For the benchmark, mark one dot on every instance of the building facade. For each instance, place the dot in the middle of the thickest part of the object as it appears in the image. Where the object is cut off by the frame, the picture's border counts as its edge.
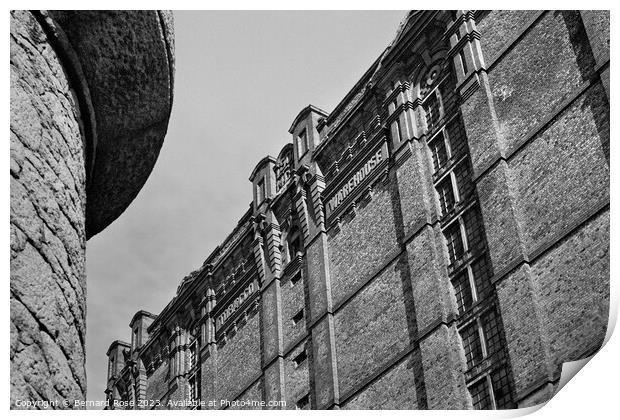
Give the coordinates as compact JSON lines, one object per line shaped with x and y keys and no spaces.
{"x":439,"y":240}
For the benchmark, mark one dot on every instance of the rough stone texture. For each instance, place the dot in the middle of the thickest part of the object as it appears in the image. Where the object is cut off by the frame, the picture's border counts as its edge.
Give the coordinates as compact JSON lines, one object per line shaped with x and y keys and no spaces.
{"x":48,"y":240}
{"x":596,"y":23}
{"x":127,"y":61}
{"x":72,"y":72}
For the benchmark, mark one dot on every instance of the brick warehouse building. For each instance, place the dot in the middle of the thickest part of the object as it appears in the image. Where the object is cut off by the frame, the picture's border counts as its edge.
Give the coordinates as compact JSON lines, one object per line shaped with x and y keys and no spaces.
{"x":439,"y":240}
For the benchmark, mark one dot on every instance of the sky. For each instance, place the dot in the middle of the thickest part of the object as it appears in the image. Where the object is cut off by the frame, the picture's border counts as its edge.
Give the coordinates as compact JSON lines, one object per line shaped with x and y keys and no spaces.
{"x":241,"y":78}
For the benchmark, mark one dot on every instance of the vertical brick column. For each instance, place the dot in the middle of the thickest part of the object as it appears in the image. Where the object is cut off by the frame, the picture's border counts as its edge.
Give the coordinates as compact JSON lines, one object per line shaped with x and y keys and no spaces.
{"x":208,"y":350}
{"x":326,"y":393}
{"x":516,"y":292}
{"x":271,"y":307}
{"x":140,"y":381}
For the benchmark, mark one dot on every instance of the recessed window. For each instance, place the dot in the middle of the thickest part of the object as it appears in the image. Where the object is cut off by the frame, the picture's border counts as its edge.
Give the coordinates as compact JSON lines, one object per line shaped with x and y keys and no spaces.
{"x":472,"y":344}
{"x":111,"y":367}
{"x":433,"y":110}
{"x":480,"y":395}
{"x":260,"y":191}
{"x":454,"y":241}
{"x":300,"y":358}
{"x":463,"y":61}
{"x":135,"y":338}
{"x":294,"y":242}
{"x":446,"y":195}
{"x":303,"y":403}
{"x":462,"y":291}
{"x":302,"y":142}
{"x":296,"y":279}
{"x":438,"y":151}
{"x":298,"y":317}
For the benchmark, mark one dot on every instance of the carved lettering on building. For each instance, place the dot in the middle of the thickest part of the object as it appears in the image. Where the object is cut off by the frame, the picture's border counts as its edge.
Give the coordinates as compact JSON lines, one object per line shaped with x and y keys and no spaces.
{"x":356,"y":179}
{"x":236,"y":304}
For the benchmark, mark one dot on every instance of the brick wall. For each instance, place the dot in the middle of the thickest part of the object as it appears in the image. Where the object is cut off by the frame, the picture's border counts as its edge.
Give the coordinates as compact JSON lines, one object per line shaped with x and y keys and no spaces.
{"x":383,"y":325}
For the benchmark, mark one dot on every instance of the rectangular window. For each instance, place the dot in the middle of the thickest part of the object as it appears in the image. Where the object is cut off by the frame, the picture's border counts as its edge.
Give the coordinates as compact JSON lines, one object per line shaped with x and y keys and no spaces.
{"x":298,"y":317}
{"x":462,"y":291}
{"x":446,"y":195}
{"x":472,"y":344}
{"x":296,"y":279}
{"x":480,"y":395}
{"x":454,"y":242}
{"x":501,"y":389}
{"x":260,"y":191}
{"x":300,"y":358}
{"x":438,"y":151}
{"x":456,"y":138}
{"x":302,"y":143}
{"x":303,"y":403}
{"x":432,"y":107}
{"x":463,"y":61}
{"x":481,"y":273}
{"x":135,"y":338}
{"x":491,"y":328}
{"x":473,"y":229}
{"x":462,"y":174}
{"x":111,"y":367}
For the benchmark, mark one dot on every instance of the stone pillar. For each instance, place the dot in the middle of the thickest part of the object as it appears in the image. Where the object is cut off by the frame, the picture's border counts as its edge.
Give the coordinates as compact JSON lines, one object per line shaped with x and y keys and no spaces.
{"x":208,"y":350}
{"x":48,"y":238}
{"x":271,"y":308}
{"x":321,"y":320}
{"x":80,"y":145}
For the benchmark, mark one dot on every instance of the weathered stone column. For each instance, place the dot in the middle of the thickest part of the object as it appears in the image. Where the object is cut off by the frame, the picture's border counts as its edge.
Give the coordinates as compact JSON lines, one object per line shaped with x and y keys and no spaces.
{"x":89,"y":112}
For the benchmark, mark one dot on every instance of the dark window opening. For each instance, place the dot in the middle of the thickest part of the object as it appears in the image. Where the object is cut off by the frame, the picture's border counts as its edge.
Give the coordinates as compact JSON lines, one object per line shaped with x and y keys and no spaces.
{"x":300,"y":358}
{"x":260,"y":191}
{"x":298,"y":317}
{"x":454,"y":242}
{"x":303,"y":403}
{"x":438,"y":152}
{"x":480,"y":395}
